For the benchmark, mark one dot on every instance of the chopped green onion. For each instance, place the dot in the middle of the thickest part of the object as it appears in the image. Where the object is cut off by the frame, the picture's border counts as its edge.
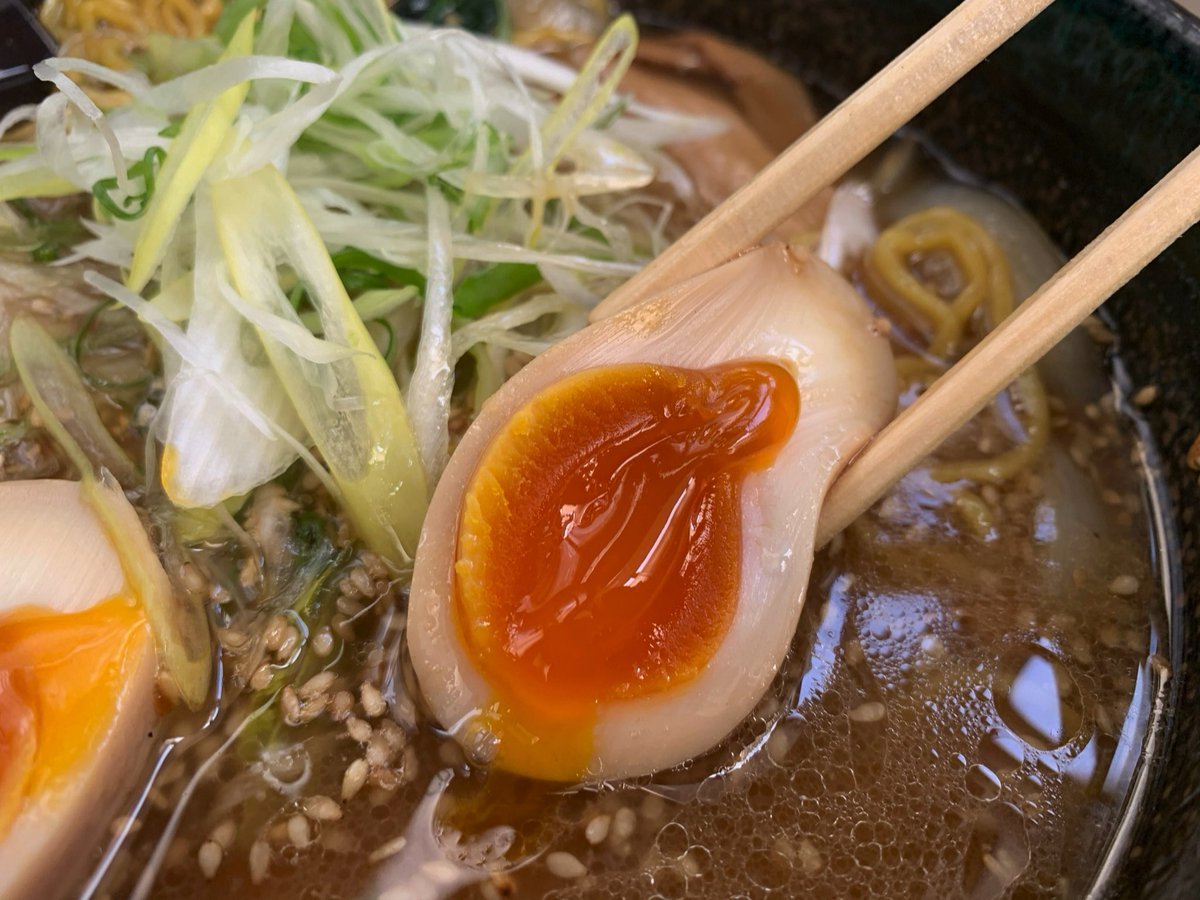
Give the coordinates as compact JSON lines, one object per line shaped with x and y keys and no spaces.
{"x":478,"y":293}
{"x":134,"y":205}
{"x":361,"y":271}
{"x":46,"y":252}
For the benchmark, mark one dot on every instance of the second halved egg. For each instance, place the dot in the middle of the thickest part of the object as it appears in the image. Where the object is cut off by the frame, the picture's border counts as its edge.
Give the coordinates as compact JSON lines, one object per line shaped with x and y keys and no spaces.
{"x":615,"y":560}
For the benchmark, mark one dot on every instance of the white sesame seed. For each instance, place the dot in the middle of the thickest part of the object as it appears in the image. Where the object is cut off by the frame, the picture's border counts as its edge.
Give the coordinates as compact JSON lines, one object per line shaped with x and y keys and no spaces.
{"x":322,"y":642}
{"x":341,"y":705}
{"x":298,"y":831}
{"x":410,"y":765}
{"x":290,"y":704}
{"x":260,"y":861}
{"x":355,"y":778}
{"x":224,"y":834}
{"x":378,"y":752}
{"x":372,"y":700}
{"x":318,"y":684}
{"x":320,"y":808}
{"x":1146,"y":395}
{"x":274,"y":633}
{"x":391,"y":848}
{"x":360,"y":729}
{"x":374,"y":564}
{"x":210,"y":857}
{"x":1123,"y":586}
{"x":248,"y":572}
{"x":872,"y":711}
{"x":623,"y":824}
{"x":261,"y":677}
{"x":387,"y":780}
{"x":565,"y":865}
{"x":291,"y":640}
{"x":393,"y":734}
{"x":231,"y":638}
{"x":360,"y":580}
{"x":596,"y":829}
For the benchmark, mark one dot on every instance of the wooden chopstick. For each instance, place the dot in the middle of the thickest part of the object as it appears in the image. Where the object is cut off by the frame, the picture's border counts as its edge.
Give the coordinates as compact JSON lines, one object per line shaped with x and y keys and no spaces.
{"x":834,"y":145}
{"x":1076,"y":290}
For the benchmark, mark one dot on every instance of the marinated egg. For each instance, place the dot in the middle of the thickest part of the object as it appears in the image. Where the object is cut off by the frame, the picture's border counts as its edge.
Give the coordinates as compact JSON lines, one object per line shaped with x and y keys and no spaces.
{"x":615,"y":560}
{"x":77,"y":674}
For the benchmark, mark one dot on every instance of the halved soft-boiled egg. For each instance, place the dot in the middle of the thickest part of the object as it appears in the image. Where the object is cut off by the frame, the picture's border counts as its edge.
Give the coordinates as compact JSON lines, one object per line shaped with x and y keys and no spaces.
{"x":615,"y":560}
{"x":77,"y":685}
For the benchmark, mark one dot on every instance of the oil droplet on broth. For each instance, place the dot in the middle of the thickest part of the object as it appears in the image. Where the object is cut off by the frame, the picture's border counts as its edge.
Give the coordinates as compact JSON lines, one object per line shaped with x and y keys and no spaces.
{"x":1037,"y":698}
{"x":982,"y":783}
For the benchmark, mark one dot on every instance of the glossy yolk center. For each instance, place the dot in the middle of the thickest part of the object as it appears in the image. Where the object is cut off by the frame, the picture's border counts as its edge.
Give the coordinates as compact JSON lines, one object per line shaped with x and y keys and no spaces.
{"x":599,"y":551}
{"x":60,"y":678}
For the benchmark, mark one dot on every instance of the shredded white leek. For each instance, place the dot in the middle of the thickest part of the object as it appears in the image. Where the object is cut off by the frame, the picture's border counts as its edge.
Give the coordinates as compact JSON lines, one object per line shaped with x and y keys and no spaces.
{"x":203,"y":131}
{"x":351,"y":407}
{"x":412,"y":164}
{"x":433,"y":374}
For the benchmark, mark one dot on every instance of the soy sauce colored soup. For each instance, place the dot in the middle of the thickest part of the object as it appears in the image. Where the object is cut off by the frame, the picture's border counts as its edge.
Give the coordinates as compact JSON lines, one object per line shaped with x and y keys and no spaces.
{"x":276,"y":358}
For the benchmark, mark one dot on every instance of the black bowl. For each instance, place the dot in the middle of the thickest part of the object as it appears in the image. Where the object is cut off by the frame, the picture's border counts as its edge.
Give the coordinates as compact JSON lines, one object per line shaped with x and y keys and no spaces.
{"x":1076,"y":117}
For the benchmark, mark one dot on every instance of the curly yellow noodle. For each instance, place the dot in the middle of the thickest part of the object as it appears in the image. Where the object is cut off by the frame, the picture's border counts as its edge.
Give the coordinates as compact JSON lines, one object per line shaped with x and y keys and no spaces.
{"x":107,"y":31}
{"x":975,"y":511}
{"x":986,"y":287}
{"x":911,"y":367}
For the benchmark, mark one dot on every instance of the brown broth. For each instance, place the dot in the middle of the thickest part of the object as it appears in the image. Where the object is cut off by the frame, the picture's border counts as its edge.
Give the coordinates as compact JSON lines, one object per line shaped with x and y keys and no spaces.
{"x":960,"y":717}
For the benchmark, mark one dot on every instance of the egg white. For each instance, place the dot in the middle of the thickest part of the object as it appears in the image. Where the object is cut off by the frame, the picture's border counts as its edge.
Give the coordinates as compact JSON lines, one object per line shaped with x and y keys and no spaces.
{"x":55,"y":554}
{"x":777,"y":304}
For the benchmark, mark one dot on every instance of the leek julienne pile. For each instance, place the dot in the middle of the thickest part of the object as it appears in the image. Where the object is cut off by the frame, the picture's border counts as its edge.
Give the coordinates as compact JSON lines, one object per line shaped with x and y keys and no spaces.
{"x":323,"y":221}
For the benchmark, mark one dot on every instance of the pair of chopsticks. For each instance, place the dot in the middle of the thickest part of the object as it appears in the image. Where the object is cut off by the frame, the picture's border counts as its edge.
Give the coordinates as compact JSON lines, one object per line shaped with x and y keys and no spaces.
{"x":842,"y":139}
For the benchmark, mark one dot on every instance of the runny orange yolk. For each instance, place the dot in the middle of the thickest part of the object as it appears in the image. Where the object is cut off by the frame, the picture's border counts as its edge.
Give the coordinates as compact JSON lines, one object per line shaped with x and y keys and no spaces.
{"x":61,"y":675}
{"x":599,"y":547}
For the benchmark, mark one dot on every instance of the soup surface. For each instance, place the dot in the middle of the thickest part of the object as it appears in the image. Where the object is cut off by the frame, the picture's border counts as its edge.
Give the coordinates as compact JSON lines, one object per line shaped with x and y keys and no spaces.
{"x":961,"y":715}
